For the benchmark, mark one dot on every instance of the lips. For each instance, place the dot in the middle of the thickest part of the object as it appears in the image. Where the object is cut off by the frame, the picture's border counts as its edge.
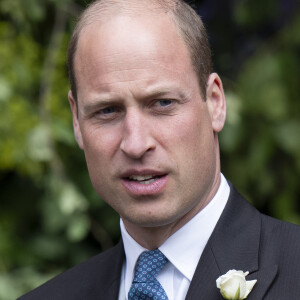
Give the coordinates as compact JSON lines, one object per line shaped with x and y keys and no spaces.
{"x":144,"y":183}
{"x":144,"y":179}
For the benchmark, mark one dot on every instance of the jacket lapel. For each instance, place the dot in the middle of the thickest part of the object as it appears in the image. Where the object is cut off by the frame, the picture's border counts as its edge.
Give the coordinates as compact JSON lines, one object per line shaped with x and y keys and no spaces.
{"x":234,"y":244}
{"x":109,"y":289}
{"x":203,"y":285}
{"x":265,"y":276}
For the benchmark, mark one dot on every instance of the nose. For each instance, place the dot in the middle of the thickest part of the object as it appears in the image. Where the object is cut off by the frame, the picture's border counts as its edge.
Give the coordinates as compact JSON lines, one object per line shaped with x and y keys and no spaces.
{"x":137,"y":139}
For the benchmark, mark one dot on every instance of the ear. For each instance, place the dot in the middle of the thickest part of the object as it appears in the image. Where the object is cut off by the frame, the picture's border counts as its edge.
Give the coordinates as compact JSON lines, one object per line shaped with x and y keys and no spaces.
{"x":76,"y":127}
{"x":216,"y":102}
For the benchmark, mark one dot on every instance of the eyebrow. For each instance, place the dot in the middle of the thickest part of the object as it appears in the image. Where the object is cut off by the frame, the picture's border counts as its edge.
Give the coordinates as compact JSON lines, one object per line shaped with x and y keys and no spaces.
{"x":170,"y":93}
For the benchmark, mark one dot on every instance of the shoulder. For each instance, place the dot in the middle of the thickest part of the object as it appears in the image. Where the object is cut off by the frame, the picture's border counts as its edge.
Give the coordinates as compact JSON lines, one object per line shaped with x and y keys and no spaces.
{"x":278,"y":240}
{"x":280,"y":247}
{"x":282,"y":238}
{"x":85,"y":280}
{"x":277,"y":244}
{"x":272,"y":230}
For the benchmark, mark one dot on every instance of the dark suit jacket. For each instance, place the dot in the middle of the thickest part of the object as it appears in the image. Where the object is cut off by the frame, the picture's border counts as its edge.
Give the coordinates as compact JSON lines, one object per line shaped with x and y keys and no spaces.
{"x":243,"y":239}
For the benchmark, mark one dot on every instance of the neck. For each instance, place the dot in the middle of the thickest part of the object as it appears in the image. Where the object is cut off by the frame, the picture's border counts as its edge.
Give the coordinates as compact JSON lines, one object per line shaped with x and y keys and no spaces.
{"x":150,"y":237}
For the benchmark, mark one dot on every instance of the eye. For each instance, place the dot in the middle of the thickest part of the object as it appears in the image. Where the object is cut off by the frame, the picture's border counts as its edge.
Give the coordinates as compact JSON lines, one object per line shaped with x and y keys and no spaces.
{"x":108,"y":113}
{"x":164,"y":106}
{"x":108,"y":110}
{"x":165,"y":102}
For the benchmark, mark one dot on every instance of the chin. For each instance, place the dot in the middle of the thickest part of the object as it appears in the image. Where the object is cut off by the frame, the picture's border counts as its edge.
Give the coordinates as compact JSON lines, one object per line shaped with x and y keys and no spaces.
{"x":151,"y":220}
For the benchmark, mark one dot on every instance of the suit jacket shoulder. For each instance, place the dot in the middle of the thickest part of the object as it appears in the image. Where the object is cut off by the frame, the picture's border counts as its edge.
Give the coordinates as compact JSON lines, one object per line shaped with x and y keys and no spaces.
{"x":244,"y":239}
{"x":97,"y":278}
{"x":280,"y":246}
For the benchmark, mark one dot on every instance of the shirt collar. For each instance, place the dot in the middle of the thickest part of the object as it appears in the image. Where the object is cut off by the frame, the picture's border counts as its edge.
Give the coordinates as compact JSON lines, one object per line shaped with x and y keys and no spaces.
{"x":132,"y":251}
{"x":184,"y":248}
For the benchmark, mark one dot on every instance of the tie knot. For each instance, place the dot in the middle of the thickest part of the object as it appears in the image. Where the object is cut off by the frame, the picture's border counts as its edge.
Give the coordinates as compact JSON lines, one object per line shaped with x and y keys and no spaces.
{"x":149,"y":264}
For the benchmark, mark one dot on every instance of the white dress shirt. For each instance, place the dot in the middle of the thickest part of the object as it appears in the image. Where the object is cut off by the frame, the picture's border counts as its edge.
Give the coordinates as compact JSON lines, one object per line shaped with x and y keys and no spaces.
{"x":183,"y":249}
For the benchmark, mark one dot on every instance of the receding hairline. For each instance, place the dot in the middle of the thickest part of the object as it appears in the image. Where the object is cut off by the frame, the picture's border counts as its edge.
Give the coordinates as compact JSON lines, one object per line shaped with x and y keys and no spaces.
{"x":93,"y":15}
{"x":102,"y":11}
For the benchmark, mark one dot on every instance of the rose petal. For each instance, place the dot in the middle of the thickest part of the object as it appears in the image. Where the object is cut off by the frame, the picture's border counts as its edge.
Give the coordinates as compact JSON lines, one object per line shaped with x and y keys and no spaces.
{"x":249,"y":286}
{"x":230,"y":287}
{"x":233,"y":285}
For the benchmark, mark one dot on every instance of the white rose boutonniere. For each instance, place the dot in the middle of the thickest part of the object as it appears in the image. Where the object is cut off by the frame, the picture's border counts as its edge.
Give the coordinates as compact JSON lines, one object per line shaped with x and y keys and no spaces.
{"x":233,"y":285}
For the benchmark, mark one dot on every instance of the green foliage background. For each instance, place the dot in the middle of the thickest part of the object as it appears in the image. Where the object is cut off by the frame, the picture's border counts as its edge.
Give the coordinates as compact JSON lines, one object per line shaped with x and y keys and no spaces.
{"x":50,"y":217}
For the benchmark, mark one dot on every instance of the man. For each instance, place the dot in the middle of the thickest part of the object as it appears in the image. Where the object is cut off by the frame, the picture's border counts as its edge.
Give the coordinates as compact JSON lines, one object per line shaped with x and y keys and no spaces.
{"x":147,"y":112}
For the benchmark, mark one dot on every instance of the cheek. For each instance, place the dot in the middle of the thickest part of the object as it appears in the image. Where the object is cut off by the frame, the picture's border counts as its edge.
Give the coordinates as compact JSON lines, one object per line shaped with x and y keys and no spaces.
{"x":194,"y":149}
{"x":100,"y":144}
{"x":99,"y":150}
{"x":193,"y":134}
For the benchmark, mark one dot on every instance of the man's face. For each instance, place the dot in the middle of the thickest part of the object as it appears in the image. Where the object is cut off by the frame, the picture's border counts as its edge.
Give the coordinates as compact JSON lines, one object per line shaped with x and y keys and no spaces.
{"x":147,"y":134}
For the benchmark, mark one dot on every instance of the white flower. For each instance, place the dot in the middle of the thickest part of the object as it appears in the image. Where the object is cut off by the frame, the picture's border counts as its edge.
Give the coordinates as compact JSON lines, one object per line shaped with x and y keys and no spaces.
{"x":233,"y":285}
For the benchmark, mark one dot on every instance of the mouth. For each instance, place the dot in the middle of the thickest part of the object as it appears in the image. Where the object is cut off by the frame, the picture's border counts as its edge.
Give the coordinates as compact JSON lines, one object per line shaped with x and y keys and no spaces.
{"x":150,"y":183}
{"x":144,"y":179}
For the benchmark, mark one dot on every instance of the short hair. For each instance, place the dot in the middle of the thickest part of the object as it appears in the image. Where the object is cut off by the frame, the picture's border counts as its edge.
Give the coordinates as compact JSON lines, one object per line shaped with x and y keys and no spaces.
{"x":187,"y":21}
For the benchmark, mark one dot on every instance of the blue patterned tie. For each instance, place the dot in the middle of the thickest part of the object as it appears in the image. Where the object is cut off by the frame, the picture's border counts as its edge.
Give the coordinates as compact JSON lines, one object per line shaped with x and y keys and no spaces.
{"x":144,"y":285}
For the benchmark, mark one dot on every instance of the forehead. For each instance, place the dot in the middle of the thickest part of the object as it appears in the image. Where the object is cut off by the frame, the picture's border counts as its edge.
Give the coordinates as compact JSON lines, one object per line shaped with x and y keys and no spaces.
{"x":144,"y":48}
{"x":131,"y":36}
